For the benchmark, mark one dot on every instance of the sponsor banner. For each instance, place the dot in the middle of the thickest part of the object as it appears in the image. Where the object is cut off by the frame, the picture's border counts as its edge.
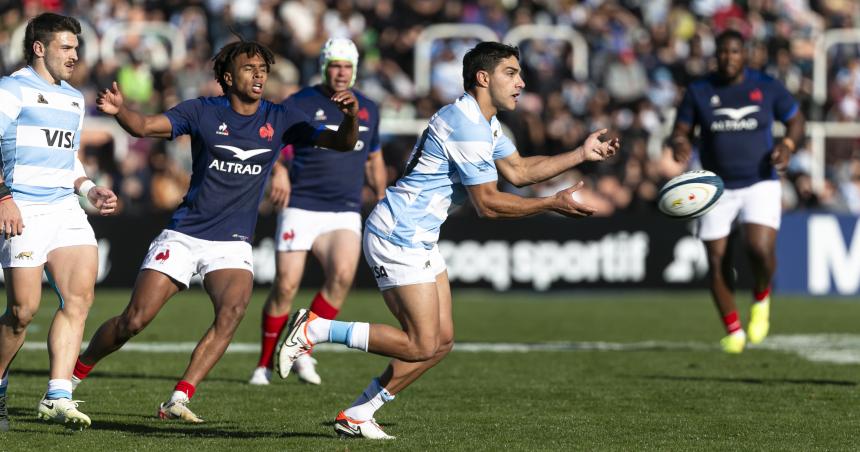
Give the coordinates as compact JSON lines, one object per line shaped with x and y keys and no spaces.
{"x":539,"y":253}
{"x":818,"y":254}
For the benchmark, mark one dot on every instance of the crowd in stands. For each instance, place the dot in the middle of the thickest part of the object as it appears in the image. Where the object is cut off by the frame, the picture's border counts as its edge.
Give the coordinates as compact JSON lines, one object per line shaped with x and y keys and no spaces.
{"x":641,"y":53}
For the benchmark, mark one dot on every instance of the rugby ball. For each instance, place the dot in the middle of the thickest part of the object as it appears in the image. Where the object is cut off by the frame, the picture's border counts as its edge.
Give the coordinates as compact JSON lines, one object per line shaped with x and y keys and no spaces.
{"x":690,"y":195}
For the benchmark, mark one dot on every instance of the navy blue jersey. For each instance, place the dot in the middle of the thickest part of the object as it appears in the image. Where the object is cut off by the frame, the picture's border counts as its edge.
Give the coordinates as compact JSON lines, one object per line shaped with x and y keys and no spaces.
{"x":735,"y":123}
{"x":232,"y":156}
{"x":324,"y":180}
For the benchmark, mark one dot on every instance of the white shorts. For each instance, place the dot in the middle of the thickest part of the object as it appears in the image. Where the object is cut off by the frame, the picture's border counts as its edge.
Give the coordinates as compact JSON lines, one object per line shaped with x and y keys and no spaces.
{"x":760,"y":203}
{"x":394,"y":265}
{"x":299,"y":228}
{"x":46,"y":228}
{"x":181,"y":256}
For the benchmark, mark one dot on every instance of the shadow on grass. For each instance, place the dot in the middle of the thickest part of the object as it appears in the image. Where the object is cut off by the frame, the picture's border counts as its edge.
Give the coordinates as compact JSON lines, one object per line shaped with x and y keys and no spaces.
{"x":160,"y":430}
{"x":124,"y":375}
{"x":755,"y":381}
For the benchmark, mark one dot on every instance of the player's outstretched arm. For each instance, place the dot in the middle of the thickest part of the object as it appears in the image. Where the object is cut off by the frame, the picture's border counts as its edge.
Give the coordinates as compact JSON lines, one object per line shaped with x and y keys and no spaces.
{"x":347,"y":132}
{"x":492,"y":203}
{"x":110,"y":102}
{"x":522,"y":171}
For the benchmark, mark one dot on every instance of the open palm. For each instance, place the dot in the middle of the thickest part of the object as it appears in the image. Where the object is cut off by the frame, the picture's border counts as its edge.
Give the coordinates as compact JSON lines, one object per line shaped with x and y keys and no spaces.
{"x":109,"y":101}
{"x":596,"y":150}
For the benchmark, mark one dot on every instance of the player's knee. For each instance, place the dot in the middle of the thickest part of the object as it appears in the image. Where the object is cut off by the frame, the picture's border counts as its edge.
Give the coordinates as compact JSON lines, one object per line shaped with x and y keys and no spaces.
{"x":228,"y":317}
{"x":131,"y":325}
{"x":21,"y":317}
{"x":423,"y":350}
{"x":285,"y":289}
{"x":760,"y":251}
{"x":340,"y":279}
{"x":445,"y":347}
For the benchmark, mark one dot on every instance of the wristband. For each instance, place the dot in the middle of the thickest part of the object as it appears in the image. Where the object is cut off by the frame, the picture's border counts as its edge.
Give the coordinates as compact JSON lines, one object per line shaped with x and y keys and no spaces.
{"x":85,"y":187}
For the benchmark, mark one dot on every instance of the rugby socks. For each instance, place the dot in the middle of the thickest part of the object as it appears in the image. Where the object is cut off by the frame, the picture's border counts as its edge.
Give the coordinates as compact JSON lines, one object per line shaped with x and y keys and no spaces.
{"x":762,"y":296}
{"x":272,"y":327}
{"x":368,"y":402}
{"x":4,"y":382}
{"x":732,"y":322}
{"x":352,"y":334}
{"x":81,"y":370}
{"x":321,"y":307}
{"x":182,"y":391}
{"x":59,"y":389}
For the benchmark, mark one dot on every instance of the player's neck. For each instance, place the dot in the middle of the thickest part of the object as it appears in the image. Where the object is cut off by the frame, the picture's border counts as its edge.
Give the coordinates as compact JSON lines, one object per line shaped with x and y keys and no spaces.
{"x":485,"y":103}
{"x":736,"y":80}
{"x":40,"y":69}
{"x":244,"y":107}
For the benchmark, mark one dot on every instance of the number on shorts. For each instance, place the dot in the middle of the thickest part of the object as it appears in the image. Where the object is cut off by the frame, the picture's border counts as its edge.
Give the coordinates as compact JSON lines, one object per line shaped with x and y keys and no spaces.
{"x":379,"y":272}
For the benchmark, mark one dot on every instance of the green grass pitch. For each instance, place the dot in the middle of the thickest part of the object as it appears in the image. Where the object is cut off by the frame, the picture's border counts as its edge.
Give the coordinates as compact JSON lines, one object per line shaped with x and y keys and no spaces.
{"x":630,"y":371}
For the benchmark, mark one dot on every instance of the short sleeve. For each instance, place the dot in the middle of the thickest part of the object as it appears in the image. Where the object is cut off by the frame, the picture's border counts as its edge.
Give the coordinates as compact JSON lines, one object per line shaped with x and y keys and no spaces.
{"x":504,"y":147}
{"x":10,"y":103}
{"x":473,"y":159}
{"x":185,"y":117}
{"x":784,"y":104}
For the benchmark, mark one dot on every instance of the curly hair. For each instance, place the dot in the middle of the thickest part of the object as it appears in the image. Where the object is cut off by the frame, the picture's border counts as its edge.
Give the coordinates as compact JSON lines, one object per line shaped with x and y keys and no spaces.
{"x":485,"y":57}
{"x":224,"y":59}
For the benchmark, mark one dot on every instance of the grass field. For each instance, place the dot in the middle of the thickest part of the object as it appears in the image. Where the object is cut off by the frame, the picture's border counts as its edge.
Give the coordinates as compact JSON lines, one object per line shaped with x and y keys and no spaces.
{"x":625,"y":371}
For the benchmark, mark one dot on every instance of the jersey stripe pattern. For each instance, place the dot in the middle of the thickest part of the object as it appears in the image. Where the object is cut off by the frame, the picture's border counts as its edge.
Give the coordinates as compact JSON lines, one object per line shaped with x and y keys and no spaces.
{"x":40,"y":131}
{"x":457,"y":149}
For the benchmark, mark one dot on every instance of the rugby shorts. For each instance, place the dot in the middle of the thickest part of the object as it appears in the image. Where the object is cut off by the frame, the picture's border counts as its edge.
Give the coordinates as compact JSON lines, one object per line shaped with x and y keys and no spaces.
{"x":181,"y":256}
{"x":760,"y":203}
{"x":393,"y":265}
{"x":46,"y":228}
{"x":299,"y":228}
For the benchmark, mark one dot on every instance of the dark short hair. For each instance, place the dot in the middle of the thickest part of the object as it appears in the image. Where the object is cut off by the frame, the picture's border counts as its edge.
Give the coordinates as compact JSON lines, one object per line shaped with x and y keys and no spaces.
{"x":729,"y":35}
{"x":485,"y":57}
{"x":41,"y":28}
{"x":223,"y":60}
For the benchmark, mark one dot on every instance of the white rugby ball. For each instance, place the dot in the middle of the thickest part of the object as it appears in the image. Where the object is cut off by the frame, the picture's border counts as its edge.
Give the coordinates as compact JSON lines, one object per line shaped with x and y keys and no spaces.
{"x":690,"y":195}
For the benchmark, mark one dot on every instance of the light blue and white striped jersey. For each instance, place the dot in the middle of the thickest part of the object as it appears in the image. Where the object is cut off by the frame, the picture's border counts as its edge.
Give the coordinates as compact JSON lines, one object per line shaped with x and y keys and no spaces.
{"x":40,"y":132}
{"x":458,"y":148}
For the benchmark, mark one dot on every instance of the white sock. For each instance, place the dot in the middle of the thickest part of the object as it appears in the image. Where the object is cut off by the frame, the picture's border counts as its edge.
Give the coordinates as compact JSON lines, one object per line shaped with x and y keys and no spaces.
{"x":59,"y":388}
{"x":359,"y":336}
{"x":177,"y":396}
{"x":369,"y":401}
{"x":318,"y":330}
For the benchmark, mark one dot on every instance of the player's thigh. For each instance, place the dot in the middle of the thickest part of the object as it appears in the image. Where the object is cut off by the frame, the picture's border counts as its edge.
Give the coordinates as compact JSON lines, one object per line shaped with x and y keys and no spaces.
{"x":416,"y":307}
{"x":151,"y":291}
{"x":446,"y":317}
{"x":762,"y":204}
{"x":23,"y":290}
{"x":72,"y":270}
{"x":290,"y":266}
{"x":230,"y":290}
{"x":338,"y":252}
{"x":717,"y":223}
{"x":760,"y":239}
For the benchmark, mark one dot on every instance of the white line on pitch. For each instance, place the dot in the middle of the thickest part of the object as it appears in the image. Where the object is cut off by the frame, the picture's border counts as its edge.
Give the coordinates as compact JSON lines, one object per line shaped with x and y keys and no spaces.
{"x":832,"y":348}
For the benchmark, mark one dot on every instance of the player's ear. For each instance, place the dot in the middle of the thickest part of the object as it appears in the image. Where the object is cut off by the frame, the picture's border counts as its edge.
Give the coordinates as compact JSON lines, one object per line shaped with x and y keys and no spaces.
{"x":483,"y":78}
{"x":228,"y":78}
{"x":38,"y":48}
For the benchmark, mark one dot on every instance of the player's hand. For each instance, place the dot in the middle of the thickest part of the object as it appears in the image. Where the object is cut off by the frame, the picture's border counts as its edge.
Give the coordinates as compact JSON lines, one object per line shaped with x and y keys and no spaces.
{"x":569,"y":207}
{"x":594,"y":150}
{"x":681,"y":148}
{"x":280,"y":192}
{"x":11,"y":223}
{"x":109,"y":101}
{"x":346,"y":102}
{"x":103,"y":199}
{"x":780,"y":156}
